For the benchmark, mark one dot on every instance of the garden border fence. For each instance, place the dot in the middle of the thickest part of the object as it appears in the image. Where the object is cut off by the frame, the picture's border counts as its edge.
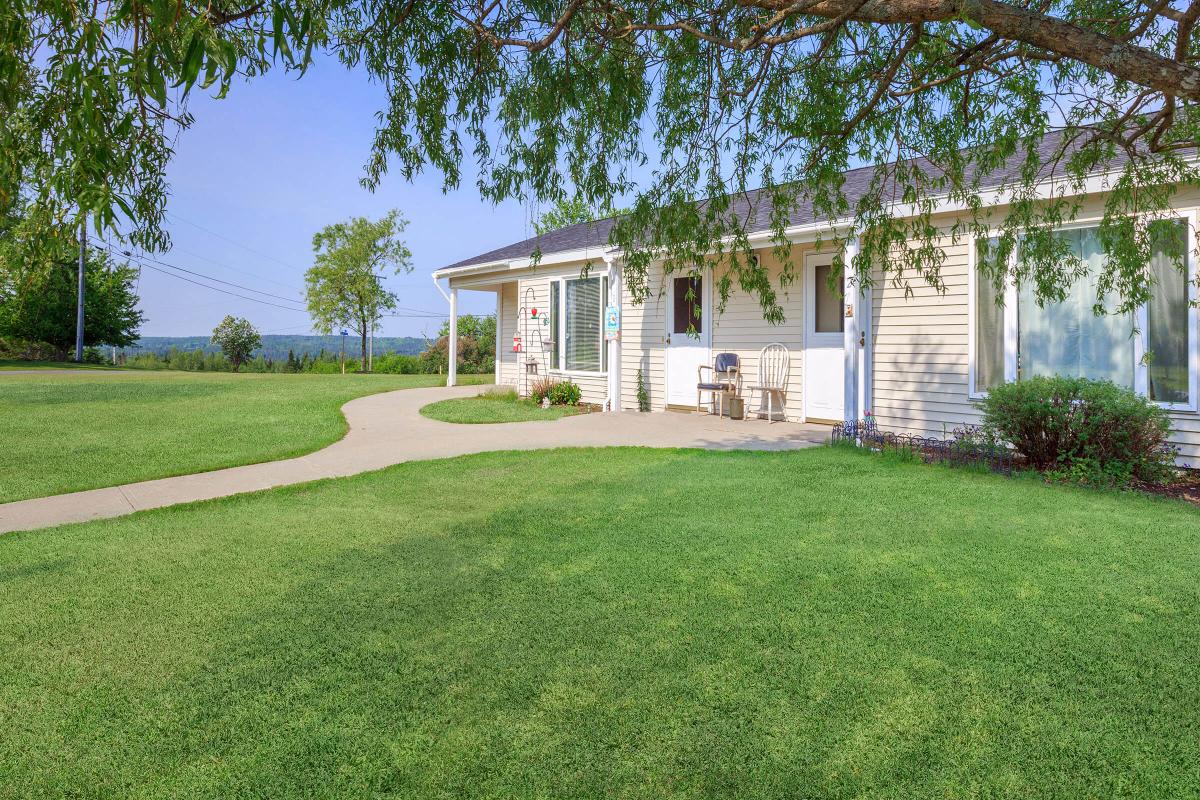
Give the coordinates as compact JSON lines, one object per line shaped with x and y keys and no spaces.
{"x":961,"y":451}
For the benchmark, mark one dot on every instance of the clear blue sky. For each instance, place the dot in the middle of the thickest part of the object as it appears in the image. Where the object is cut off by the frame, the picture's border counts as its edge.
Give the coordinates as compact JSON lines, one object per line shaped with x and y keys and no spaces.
{"x":270,"y":165}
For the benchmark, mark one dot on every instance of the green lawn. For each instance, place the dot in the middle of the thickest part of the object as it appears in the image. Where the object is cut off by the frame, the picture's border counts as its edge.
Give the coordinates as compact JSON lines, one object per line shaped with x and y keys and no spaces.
{"x":65,"y":432}
{"x":611,"y":623}
{"x":18,"y":364}
{"x":494,"y":406}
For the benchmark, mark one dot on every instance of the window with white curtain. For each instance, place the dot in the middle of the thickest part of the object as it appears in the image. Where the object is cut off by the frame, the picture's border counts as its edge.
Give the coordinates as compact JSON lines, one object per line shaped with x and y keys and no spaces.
{"x":1167,"y":334}
{"x":1069,"y":338}
{"x":989,"y":329}
{"x":583,"y":347}
{"x":1025,"y":339}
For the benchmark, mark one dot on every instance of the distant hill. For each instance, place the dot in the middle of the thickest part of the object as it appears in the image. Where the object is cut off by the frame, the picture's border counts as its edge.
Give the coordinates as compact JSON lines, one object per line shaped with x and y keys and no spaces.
{"x":277,"y":347}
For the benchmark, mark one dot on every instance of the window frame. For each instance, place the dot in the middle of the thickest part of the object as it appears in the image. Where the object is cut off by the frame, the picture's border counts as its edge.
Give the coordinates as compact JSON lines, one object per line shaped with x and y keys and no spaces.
{"x":1141,"y":371}
{"x":560,"y":353}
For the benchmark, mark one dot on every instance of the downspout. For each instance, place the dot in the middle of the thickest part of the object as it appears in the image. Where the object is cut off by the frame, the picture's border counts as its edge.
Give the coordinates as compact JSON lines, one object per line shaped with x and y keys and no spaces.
{"x":438,"y":286}
{"x":452,"y":339}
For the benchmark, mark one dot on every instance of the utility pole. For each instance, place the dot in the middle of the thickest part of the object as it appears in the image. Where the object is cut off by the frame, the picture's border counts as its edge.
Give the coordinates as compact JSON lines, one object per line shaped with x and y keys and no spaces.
{"x":79,"y":299}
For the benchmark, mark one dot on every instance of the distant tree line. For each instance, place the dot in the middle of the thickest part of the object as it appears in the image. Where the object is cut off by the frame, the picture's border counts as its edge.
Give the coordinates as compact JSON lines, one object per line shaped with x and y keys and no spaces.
{"x":476,"y":355}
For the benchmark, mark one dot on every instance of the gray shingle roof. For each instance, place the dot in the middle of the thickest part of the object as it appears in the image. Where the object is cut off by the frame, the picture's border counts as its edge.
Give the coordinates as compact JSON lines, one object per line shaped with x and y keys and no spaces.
{"x":857,"y":181}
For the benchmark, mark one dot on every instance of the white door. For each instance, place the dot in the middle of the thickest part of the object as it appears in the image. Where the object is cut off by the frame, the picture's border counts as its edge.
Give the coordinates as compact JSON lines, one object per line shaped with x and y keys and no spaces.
{"x":824,"y":322}
{"x":689,"y":333}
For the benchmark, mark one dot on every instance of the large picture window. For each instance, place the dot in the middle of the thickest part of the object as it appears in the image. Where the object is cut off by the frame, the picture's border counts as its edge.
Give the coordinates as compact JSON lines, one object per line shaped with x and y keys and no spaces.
{"x":583,"y":347}
{"x":1013,"y":335}
{"x":1069,"y":338}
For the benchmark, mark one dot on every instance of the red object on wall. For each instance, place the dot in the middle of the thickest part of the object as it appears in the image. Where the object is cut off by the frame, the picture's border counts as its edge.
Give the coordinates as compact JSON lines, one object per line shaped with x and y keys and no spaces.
{"x":533,"y":312}
{"x":517,"y":343}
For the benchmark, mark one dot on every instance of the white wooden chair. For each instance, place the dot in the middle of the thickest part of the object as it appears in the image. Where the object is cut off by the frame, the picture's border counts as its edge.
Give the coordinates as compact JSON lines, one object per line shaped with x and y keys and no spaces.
{"x":774,"y":364}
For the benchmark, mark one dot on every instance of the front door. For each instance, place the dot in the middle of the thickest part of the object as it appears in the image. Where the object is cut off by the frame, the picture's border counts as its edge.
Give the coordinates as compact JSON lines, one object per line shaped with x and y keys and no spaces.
{"x":689,"y":333}
{"x":824,"y":323}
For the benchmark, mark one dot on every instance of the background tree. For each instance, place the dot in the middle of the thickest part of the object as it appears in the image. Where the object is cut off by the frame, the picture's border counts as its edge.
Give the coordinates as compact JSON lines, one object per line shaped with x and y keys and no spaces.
{"x":476,"y":346}
{"x":574,"y":97}
{"x":237,"y":338}
{"x":343,"y":287}
{"x":38,"y":300}
{"x":572,"y":211}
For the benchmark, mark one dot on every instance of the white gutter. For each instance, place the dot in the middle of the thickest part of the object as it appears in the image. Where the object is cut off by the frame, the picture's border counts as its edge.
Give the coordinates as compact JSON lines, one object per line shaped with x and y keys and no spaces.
{"x":438,"y":286}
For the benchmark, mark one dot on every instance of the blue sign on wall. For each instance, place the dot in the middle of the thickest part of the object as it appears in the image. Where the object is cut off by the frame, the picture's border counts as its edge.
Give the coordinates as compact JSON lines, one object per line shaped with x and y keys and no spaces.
{"x":612,"y":323}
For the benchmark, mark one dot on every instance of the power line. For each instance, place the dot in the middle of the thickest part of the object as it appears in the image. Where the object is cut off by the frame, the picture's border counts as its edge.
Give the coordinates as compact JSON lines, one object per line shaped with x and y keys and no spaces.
{"x":246,"y":247}
{"x":218,"y":280}
{"x":264,"y":302}
{"x":141,"y":260}
{"x":224,"y":291}
{"x":239,"y":270}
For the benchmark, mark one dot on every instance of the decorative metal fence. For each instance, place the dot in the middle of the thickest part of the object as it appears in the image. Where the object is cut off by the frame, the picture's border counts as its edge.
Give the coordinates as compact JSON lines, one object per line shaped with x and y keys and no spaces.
{"x":967,"y":448}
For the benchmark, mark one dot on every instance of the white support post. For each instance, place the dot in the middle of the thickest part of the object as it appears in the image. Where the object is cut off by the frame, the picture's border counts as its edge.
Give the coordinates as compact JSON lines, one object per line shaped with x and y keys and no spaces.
{"x":499,"y":326}
{"x":851,"y":358}
{"x":615,"y":281}
{"x":452,"y":340}
{"x":864,"y":312}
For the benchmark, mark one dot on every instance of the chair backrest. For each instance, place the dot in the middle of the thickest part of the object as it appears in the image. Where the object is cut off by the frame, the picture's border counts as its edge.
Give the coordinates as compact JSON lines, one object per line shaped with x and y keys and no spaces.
{"x":726,"y":362}
{"x":774,"y":364}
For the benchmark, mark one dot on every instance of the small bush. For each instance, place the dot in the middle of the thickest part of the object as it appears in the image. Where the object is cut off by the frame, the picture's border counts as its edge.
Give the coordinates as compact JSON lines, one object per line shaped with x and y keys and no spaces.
{"x":643,"y":396}
{"x":561,"y":393}
{"x":541,"y":388}
{"x":565,"y":393}
{"x":1082,"y":430}
{"x":397,"y":364}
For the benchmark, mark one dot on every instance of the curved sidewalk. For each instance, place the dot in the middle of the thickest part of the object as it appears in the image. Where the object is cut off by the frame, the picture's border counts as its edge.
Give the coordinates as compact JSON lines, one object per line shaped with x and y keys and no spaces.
{"x":387,"y":429}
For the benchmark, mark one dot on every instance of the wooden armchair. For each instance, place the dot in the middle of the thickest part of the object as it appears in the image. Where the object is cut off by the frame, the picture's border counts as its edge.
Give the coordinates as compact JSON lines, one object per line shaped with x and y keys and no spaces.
{"x":725,"y":377}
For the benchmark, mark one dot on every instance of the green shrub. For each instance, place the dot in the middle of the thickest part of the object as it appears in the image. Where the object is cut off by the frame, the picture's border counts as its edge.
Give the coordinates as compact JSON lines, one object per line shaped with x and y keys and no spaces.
{"x":643,"y":396}
{"x":561,"y":393}
{"x":565,"y":393}
{"x":1082,"y":430}
{"x":541,"y":389}
{"x":397,"y":364}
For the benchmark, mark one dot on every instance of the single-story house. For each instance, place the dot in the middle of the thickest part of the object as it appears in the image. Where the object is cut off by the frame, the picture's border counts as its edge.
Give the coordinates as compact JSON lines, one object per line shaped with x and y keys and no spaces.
{"x":918,"y":363}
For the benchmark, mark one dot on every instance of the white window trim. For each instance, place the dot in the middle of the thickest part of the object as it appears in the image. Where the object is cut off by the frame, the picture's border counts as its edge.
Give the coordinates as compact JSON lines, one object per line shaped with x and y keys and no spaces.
{"x":560,"y":341}
{"x":1141,"y":371}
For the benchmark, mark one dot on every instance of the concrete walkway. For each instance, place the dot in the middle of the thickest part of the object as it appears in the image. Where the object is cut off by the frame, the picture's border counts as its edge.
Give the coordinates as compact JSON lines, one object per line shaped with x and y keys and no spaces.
{"x":387,"y":429}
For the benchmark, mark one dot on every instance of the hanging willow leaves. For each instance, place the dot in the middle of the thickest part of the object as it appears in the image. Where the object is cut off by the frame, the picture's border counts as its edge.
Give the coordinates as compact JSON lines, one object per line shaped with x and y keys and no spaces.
{"x":702,"y":103}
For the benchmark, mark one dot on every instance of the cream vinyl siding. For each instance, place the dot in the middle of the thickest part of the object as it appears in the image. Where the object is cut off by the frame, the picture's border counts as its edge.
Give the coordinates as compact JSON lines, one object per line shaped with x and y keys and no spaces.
{"x":741,"y":328}
{"x":643,"y":340}
{"x":531,"y":289}
{"x":920,"y":355}
{"x":506,"y":324}
{"x":919,"y":346}
{"x":921,"y":358}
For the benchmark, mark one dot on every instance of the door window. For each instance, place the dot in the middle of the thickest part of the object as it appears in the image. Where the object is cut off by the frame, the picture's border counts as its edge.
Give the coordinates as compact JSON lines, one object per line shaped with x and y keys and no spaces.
{"x":688,"y":305}
{"x":828,"y":306}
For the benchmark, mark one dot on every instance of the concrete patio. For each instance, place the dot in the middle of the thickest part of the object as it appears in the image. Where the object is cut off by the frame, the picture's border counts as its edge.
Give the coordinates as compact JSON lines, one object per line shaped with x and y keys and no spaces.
{"x":387,"y":429}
